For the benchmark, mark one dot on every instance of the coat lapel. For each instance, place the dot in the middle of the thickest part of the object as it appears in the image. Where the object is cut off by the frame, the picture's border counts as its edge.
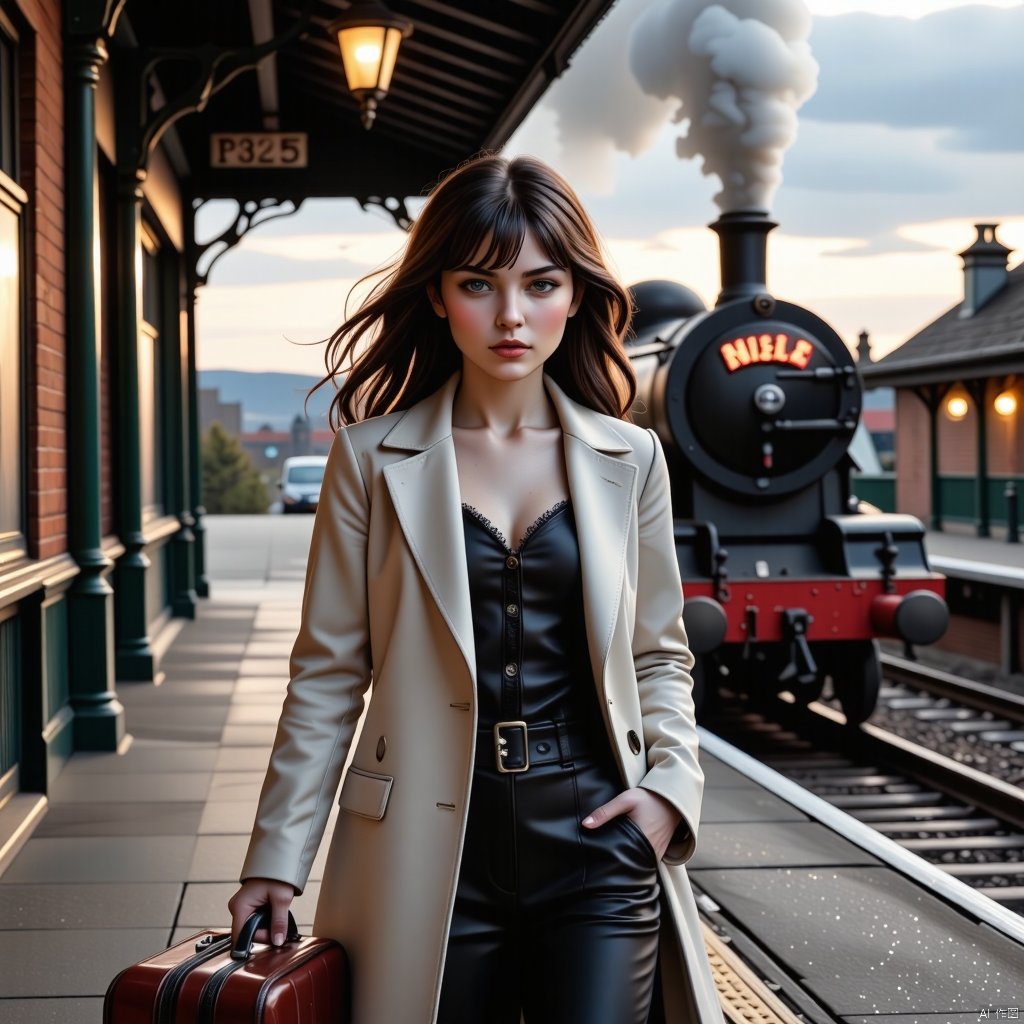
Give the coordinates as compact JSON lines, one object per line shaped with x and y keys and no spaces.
{"x":424,"y":489}
{"x":425,"y":492}
{"x":603,"y":498}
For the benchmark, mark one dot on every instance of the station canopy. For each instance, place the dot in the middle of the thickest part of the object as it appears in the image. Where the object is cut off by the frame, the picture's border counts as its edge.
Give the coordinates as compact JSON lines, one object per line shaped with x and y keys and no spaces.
{"x":464,"y":80}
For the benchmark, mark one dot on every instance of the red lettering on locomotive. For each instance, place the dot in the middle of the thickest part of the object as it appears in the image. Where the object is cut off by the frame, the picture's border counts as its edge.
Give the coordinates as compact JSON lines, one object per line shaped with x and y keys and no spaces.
{"x":764,"y":348}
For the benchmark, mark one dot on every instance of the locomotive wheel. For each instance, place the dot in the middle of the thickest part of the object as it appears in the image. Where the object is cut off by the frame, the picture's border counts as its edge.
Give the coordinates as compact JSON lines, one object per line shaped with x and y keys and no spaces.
{"x":856,"y":679}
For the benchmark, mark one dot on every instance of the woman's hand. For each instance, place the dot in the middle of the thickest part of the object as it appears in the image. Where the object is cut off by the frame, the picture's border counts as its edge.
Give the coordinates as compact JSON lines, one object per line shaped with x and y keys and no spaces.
{"x":653,"y":815}
{"x":255,"y":894}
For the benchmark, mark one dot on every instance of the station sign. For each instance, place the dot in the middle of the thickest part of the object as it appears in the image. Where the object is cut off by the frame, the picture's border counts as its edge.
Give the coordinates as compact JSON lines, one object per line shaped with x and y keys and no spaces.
{"x":259,"y":149}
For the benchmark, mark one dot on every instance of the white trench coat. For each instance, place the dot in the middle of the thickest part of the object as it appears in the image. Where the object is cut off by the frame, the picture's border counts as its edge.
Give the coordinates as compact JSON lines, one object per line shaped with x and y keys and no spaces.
{"x":387,"y":599}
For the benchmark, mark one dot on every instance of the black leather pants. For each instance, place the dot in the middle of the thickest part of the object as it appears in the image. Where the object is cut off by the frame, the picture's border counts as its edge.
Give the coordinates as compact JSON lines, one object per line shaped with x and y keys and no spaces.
{"x":552,"y":920}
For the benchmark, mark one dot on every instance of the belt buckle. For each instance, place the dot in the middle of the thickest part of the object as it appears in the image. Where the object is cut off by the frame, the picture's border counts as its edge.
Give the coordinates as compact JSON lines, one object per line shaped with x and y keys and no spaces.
{"x":501,"y":747}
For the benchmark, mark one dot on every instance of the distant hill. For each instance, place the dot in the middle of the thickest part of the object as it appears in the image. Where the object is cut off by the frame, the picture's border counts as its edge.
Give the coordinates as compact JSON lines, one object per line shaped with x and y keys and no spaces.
{"x":274,"y":398}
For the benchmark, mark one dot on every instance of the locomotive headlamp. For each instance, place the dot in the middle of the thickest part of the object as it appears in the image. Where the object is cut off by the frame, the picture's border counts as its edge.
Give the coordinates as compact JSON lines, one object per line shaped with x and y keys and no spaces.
{"x":956,"y":407}
{"x":1005,"y":403}
{"x":368,"y":37}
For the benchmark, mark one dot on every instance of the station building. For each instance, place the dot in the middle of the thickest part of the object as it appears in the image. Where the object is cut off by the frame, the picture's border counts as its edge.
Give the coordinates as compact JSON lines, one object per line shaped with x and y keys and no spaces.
{"x":958,"y":385}
{"x":118,"y":121}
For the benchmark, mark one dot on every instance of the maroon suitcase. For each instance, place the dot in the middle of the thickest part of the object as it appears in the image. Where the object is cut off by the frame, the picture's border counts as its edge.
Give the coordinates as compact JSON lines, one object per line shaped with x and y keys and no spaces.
{"x":206,"y":980}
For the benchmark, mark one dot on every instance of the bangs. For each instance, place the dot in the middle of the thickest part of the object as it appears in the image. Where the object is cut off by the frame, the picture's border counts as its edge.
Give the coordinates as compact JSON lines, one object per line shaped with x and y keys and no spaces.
{"x":490,"y":235}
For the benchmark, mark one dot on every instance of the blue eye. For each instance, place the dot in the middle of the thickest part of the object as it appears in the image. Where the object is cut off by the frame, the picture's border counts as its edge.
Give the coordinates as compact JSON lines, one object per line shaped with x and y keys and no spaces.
{"x":544,"y":286}
{"x":470,"y":285}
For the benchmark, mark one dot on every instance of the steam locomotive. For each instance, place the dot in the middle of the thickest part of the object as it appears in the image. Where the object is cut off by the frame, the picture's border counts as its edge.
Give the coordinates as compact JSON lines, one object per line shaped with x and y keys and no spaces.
{"x":789,"y":578}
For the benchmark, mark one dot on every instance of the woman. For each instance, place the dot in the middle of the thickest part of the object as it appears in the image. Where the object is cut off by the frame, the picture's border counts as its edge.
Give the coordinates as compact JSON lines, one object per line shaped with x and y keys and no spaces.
{"x":524,"y":789}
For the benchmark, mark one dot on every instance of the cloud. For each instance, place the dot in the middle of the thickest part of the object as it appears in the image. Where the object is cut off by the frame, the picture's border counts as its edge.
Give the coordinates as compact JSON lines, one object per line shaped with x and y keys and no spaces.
{"x":956,"y":70}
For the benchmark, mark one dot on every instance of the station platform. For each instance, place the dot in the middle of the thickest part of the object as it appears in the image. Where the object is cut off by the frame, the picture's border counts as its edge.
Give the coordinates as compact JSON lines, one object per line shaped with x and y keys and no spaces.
{"x":140,"y":849}
{"x":961,"y":543}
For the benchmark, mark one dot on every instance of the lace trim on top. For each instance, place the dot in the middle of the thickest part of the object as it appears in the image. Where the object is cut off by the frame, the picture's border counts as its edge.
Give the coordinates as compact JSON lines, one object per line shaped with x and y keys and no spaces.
{"x":532,"y":528}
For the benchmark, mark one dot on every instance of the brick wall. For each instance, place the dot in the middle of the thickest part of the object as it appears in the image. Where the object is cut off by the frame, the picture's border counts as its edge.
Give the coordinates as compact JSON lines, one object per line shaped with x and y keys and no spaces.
{"x":42,"y":176}
{"x":913,"y":480}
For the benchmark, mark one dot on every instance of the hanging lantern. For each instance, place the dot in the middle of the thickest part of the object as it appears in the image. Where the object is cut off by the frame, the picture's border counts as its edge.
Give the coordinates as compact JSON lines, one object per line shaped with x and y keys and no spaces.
{"x":368,"y":37}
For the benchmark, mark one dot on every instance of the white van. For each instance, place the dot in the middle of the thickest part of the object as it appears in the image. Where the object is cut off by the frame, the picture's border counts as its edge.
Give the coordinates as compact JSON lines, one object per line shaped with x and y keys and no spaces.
{"x":301,"y":477}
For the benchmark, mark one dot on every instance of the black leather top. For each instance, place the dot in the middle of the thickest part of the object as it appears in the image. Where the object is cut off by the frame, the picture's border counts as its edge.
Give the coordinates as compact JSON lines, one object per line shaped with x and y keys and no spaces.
{"x":528,"y":626}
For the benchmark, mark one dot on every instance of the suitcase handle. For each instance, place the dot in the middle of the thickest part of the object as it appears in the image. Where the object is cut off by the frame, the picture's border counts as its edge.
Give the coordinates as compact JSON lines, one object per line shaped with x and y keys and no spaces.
{"x":242,"y":948}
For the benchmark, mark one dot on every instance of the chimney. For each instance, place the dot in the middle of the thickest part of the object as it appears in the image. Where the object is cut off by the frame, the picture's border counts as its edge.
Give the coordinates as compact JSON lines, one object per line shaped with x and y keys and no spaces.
{"x":863,"y":349}
{"x":743,"y":242}
{"x":985,"y":272}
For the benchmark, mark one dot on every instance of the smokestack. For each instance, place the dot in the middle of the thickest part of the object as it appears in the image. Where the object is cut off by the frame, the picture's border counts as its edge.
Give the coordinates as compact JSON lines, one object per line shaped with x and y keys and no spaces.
{"x":863,"y":349}
{"x":985,"y":271}
{"x":743,"y":247}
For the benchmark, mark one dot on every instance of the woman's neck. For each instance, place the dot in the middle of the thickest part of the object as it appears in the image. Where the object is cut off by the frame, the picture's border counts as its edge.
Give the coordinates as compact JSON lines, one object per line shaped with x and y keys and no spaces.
{"x":502,"y":407}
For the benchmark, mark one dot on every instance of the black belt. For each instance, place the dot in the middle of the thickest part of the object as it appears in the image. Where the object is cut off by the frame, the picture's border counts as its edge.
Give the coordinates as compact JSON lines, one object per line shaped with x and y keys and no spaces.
{"x":514,"y":747}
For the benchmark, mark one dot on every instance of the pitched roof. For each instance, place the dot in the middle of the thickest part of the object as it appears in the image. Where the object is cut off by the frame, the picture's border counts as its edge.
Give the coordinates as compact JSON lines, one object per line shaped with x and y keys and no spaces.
{"x":951,"y":348}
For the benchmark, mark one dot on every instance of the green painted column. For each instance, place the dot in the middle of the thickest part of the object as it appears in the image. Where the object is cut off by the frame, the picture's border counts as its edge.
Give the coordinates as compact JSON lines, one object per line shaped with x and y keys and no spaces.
{"x":195,"y":461}
{"x":981,"y":503}
{"x":99,"y":715}
{"x":134,"y":653}
{"x":176,"y":448}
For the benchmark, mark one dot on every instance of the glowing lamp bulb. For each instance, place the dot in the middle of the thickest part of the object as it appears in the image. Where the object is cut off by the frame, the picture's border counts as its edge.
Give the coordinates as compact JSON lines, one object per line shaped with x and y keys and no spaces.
{"x":1006,"y":403}
{"x":956,"y":408}
{"x":368,"y":53}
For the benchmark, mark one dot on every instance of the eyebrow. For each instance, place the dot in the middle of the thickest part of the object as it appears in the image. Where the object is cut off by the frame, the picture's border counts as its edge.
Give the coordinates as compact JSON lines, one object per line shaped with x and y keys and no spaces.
{"x":526,"y":273}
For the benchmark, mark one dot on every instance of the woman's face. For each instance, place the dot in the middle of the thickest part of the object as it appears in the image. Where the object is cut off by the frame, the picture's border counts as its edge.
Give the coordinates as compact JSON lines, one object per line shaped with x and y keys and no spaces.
{"x":507,"y":321}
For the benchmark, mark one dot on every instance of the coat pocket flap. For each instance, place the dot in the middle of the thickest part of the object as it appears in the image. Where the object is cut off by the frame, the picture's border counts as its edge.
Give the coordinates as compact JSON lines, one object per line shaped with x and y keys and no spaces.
{"x":365,"y":793}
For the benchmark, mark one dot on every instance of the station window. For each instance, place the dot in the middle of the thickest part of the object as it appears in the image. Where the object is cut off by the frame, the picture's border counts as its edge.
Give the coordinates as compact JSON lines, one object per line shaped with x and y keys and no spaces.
{"x":13,"y":200}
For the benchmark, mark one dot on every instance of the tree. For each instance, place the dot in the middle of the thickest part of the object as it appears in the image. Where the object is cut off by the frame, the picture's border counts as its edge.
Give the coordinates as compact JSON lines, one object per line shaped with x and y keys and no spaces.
{"x":230,"y":483}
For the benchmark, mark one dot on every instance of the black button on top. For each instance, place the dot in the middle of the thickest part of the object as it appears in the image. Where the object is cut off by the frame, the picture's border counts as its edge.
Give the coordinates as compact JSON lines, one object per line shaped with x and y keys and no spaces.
{"x":382,"y":746}
{"x":634,"y":741}
{"x":512,"y":562}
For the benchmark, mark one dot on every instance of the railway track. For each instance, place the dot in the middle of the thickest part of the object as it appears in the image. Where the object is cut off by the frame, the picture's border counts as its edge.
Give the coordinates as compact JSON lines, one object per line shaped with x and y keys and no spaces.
{"x":922,"y":774}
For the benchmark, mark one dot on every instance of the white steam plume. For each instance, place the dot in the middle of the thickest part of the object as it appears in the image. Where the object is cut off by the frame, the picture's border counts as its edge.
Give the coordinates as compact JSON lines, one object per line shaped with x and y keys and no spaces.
{"x":740,"y":69}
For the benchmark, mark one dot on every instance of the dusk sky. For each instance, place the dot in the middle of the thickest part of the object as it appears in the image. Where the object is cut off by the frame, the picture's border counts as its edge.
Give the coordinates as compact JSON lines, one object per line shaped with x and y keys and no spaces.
{"x":915,"y":131}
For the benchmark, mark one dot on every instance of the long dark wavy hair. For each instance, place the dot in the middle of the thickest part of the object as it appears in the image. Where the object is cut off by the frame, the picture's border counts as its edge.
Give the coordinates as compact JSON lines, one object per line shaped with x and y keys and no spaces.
{"x":488,"y":201}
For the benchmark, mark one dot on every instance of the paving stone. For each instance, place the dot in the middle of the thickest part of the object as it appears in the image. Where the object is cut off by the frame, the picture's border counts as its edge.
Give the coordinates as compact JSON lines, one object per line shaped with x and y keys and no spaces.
{"x":742,"y":804}
{"x":242,"y":759}
{"x":718,"y":774}
{"x":71,"y":963}
{"x":175,"y":692}
{"x":248,"y":735}
{"x":931,"y":1018}
{"x":254,"y":714}
{"x":220,"y":858}
{"x":90,"y":905}
{"x":228,"y":818}
{"x":121,"y":819}
{"x":172,"y":787}
{"x":102,"y":859}
{"x":51,"y":1011}
{"x":205,"y":904}
{"x":217,"y":858}
{"x":146,"y":756}
{"x":263,"y":684}
{"x":773,"y":844}
{"x":262,"y":667}
{"x":867,"y":942}
{"x":236,"y":786}
{"x":269,"y":698}
{"x":261,"y":646}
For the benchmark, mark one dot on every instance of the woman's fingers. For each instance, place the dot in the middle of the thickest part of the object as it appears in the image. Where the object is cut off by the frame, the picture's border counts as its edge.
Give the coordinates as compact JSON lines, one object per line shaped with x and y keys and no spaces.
{"x":620,"y":804}
{"x":255,"y":894}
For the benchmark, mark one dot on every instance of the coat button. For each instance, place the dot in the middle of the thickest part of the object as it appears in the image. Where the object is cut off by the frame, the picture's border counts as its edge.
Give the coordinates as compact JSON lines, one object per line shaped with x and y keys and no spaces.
{"x":511,"y":668}
{"x":634,"y":741}
{"x":512,"y":562}
{"x":512,"y":609}
{"x":382,"y":746}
